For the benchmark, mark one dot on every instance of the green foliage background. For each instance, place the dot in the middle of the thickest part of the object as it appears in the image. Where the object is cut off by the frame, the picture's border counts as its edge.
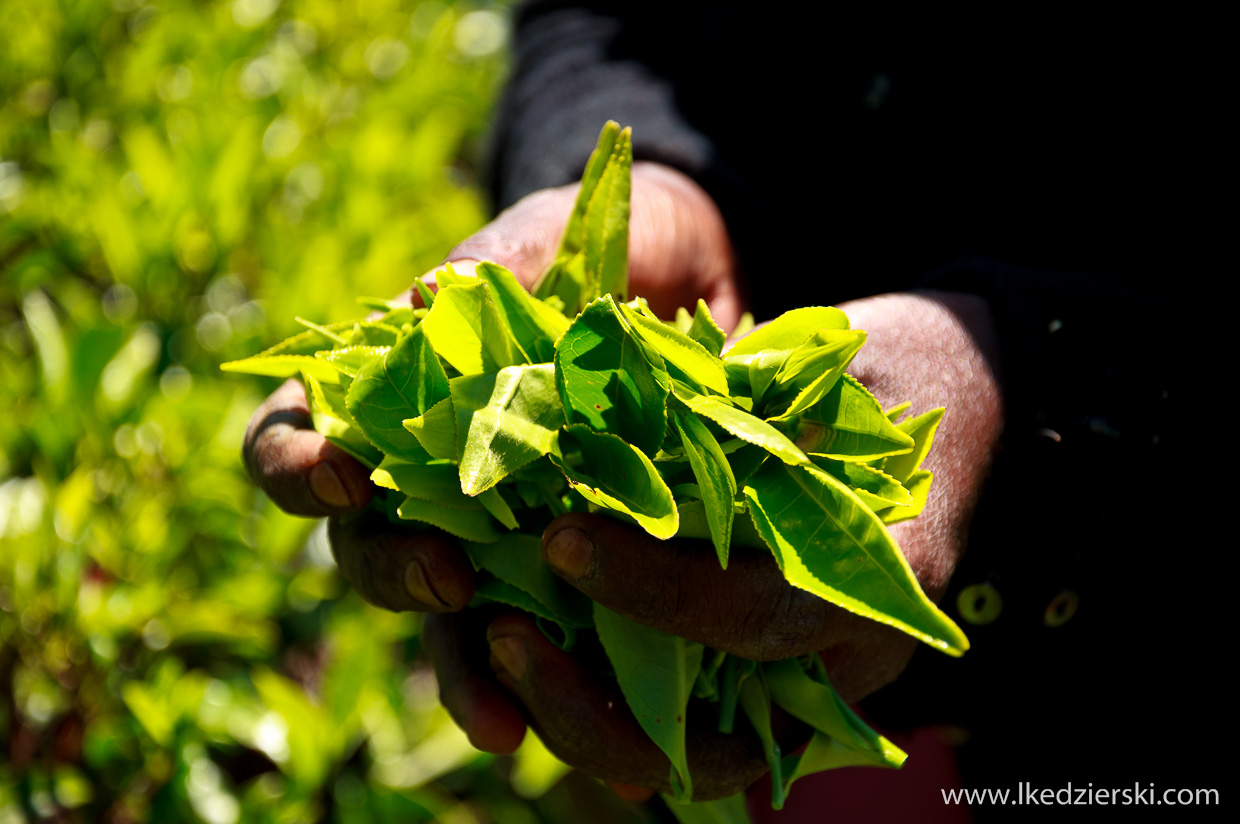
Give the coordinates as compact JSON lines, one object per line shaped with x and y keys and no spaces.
{"x":177,"y":181}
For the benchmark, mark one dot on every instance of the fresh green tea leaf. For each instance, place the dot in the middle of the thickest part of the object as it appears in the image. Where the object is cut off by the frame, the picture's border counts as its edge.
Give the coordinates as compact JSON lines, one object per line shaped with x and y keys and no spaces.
{"x":344,"y":436}
{"x":790,"y":330}
{"x":284,"y":366}
{"x":755,"y":700}
{"x":504,"y":421}
{"x":848,"y":424}
{"x":873,"y":486}
{"x":921,"y":430}
{"x":656,"y":673}
{"x":744,"y":461}
{"x":498,"y":507}
{"x":811,"y":370}
{"x":694,"y":525}
{"x":517,"y":560}
{"x":829,"y":543}
{"x":535,"y":325}
{"x":606,"y":225}
{"x":328,"y":398}
{"x":705,"y":331}
{"x":466,"y":329}
{"x":470,"y":522}
{"x":613,"y":474}
{"x":403,"y":384}
{"x":751,"y":375}
{"x":491,"y":588}
{"x":462,"y":273}
{"x":425,"y":292}
{"x":716,"y":485}
{"x":608,"y":381}
{"x":681,"y":354}
{"x":415,"y":371}
{"x":818,"y":705}
{"x":746,"y":427}
{"x":331,"y":335}
{"x":918,"y":486}
{"x":372,"y":333}
{"x":730,"y":810}
{"x":566,"y":278}
{"x":683,"y":320}
{"x":893,"y":414}
{"x":350,"y":360}
{"x":436,"y":482}
{"x":436,"y":430}
{"x":824,"y":753}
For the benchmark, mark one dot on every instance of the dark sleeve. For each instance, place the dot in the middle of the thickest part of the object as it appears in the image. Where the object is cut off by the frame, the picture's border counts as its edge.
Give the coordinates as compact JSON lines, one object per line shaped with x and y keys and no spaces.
{"x":576,"y":66}
{"x":1087,"y":545}
{"x":668,"y":70}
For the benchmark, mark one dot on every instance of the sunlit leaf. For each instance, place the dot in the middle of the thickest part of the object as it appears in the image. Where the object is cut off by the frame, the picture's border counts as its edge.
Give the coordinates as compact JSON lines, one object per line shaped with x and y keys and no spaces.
{"x":608,"y":380}
{"x":714,"y":475}
{"x":618,"y":476}
{"x":683,"y":357}
{"x":535,"y":325}
{"x":790,"y":330}
{"x":848,"y":424}
{"x":920,"y":430}
{"x":705,"y":331}
{"x":829,"y":543}
{"x":436,"y":430}
{"x":746,"y":427}
{"x":656,"y":672}
{"x":918,"y":485}
{"x":466,"y":329}
{"x":504,"y":421}
{"x":469,"y":521}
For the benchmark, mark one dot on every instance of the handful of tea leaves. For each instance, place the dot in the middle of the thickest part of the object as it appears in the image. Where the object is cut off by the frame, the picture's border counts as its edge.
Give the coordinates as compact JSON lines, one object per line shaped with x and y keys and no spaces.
{"x":492,"y":410}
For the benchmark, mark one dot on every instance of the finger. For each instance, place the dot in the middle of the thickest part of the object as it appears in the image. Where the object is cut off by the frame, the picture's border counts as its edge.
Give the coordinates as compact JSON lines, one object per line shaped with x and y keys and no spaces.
{"x":524,"y":237}
{"x":296,"y":466}
{"x":680,"y":249}
{"x":679,"y":587}
{"x":455,"y":645}
{"x":398,"y":570}
{"x":586,"y":722}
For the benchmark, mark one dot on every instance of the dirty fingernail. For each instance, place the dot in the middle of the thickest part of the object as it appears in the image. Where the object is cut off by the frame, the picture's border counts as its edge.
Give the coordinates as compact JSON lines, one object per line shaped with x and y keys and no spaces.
{"x":418,"y":585}
{"x":571,"y":552}
{"x":510,"y":652}
{"x":327,"y":488}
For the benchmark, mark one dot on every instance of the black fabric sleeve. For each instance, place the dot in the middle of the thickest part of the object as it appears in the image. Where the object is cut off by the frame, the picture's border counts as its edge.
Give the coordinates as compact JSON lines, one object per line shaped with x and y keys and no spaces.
{"x":576,"y":66}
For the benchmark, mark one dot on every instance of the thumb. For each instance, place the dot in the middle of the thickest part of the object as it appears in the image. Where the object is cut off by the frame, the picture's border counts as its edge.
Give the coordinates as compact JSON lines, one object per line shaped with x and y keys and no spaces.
{"x":524,"y":237}
{"x":678,"y":587}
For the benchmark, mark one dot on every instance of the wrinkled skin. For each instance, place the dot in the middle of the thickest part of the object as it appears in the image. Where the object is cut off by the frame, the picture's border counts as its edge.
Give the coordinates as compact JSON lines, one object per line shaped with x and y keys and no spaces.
{"x":497,"y":672}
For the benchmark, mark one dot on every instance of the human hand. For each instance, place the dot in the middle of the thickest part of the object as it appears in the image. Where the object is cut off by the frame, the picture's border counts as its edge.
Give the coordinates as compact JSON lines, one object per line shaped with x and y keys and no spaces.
{"x":932,"y":349}
{"x":679,"y":248}
{"x":679,"y":251}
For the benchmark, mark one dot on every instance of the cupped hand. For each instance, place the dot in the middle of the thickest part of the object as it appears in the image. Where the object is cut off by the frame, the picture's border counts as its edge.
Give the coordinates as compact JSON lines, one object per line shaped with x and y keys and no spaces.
{"x":304,"y":474}
{"x":933,"y":349}
{"x":679,"y":251}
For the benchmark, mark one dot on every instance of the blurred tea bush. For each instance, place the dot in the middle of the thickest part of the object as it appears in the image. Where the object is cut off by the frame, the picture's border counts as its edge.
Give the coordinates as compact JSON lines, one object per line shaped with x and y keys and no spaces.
{"x":178,"y":180}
